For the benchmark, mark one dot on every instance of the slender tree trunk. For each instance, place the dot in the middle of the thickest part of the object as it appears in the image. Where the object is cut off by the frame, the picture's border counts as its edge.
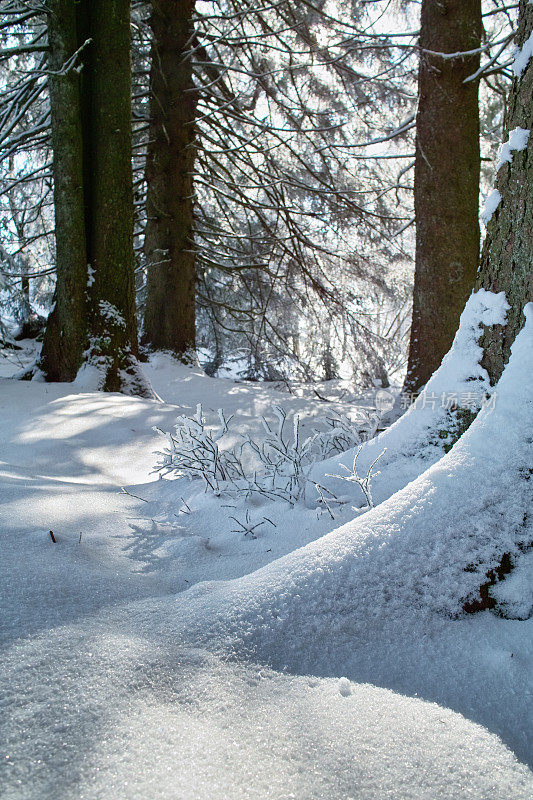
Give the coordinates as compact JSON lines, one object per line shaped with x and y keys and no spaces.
{"x":446,"y":185}
{"x":507,"y":256}
{"x":25,"y":289}
{"x":169,"y":321}
{"x":66,"y":330}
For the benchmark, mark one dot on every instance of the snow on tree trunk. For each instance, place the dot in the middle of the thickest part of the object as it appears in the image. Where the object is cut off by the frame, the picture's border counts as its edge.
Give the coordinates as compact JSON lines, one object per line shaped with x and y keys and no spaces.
{"x":446,"y":183}
{"x":507,"y":257}
{"x":169,"y":321}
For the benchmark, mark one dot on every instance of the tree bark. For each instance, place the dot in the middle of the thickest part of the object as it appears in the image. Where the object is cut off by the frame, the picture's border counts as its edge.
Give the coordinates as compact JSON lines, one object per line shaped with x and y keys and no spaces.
{"x":110,"y":238}
{"x":446,"y":184}
{"x":169,"y":320}
{"x":66,"y":330}
{"x":507,"y":256}
{"x":94,"y":316}
{"x":507,"y":261}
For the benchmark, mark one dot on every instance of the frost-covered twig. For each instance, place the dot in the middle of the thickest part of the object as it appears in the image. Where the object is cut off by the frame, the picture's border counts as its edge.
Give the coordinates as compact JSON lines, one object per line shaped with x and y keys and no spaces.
{"x":322,"y":499}
{"x":364,"y":483}
{"x":193,"y":451}
{"x":283,"y":458}
{"x":247,"y":527}
{"x":136,"y":496}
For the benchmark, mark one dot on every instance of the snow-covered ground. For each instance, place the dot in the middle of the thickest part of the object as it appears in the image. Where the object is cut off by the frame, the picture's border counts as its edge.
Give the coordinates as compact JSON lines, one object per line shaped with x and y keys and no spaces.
{"x":317,"y":660}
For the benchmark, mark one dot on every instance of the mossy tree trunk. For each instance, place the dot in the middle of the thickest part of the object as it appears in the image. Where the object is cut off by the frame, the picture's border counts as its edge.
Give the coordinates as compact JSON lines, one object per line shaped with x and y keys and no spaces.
{"x":507,"y":256}
{"x":446,"y":184}
{"x":507,"y":264}
{"x":94,"y":315}
{"x":169,"y":320}
{"x":110,"y":238}
{"x":66,"y":331}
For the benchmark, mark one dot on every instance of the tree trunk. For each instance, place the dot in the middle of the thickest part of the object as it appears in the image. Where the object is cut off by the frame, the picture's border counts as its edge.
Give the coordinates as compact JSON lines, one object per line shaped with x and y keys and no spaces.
{"x":94,"y":315}
{"x":446,"y":185}
{"x":110,"y":239}
{"x":507,"y":261}
{"x":507,"y":256}
{"x":169,"y":321}
{"x":66,"y":330}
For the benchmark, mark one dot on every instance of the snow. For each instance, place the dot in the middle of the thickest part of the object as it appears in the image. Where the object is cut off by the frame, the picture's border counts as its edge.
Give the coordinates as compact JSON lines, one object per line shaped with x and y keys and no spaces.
{"x":89,"y":378}
{"x":375,"y":600}
{"x":110,"y":313}
{"x":515,"y":594}
{"x":414,"y":441}
{"x":518,"y":139}
{"x":522,"y":56}
{"x":143,"y":717}
{"x":492,"y":201}
{"x":345,"y":688}
{"x":406,"y":558}
{"x":67,"y":450}
{"x":320,"y":660}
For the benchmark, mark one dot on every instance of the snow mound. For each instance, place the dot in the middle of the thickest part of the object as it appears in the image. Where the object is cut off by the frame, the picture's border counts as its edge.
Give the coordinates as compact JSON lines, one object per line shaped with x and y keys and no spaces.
{"x":379,"y":600}
{"x":120,"y":717}
{"x":417,"y":439}
{"x":417,"y":557}
{"x":153,"y":693}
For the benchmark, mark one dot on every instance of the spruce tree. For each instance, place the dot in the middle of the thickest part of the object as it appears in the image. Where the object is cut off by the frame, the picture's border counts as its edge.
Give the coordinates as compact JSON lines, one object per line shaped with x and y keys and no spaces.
{"x":66,"y":330}
{"x":446,"y":183}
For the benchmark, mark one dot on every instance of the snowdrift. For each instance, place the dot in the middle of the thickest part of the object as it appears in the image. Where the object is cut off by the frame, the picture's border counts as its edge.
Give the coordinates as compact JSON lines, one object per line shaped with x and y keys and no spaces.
{"x":175,"y":696}
{"x":128,"y":716}
{"x":380,"y":599}
{"x":421,"y":554}
{"x":415,"y":441}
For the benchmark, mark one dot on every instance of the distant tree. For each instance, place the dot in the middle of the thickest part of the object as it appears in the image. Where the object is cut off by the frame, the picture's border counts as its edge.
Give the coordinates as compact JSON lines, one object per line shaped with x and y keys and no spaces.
{"x":446,"y":182}
{"x":90,"y":97}
{"x":249,"y":179}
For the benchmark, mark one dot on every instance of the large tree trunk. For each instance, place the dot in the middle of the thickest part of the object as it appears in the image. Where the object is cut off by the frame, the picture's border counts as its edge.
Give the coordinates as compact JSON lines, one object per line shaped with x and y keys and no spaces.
{"x":94,"y":316}
{"x":507,"y":257}
{"x":66,"y":330}
{"x":110,"y":239}
{"x":446,"y":185}
{"x":169,"y":321}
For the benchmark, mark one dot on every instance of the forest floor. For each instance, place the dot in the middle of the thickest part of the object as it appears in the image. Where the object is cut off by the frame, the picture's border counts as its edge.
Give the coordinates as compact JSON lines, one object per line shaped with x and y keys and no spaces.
{"x":156,"y":649}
